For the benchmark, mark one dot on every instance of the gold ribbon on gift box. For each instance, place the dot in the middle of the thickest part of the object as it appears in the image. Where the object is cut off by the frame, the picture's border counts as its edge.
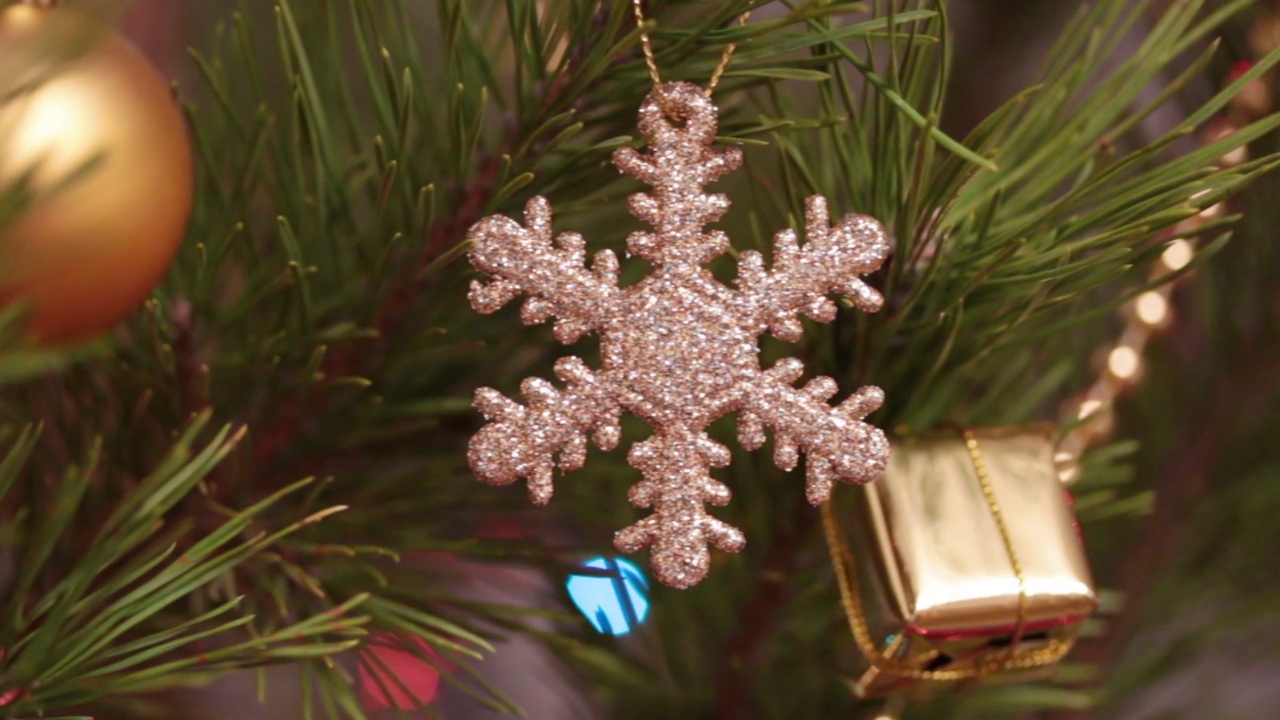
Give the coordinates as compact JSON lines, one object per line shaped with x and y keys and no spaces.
{"x":953,"y":573}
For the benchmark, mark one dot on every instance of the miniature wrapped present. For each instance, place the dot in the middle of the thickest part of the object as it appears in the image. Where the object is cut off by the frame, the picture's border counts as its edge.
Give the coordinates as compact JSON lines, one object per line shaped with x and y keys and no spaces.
{"x":977,"y":550}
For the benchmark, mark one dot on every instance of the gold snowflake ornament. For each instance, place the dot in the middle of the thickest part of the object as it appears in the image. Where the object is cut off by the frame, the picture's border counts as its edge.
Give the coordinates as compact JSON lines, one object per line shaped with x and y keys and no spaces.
{"x":678,"y":349}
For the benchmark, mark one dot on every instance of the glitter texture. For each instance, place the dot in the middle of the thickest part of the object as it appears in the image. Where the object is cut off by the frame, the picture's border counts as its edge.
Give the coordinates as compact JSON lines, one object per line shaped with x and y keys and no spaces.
{"x":678,"y":348}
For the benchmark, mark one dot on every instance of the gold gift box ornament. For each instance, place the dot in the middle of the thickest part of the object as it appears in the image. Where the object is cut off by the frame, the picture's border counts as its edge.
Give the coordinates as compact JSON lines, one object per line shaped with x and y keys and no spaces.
{"x":979,"y":554}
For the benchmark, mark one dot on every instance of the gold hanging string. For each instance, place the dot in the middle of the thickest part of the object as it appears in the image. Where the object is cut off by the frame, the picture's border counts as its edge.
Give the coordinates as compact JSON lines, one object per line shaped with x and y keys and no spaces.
{"x":989,"y":492}
{"x":647,"y":45}
{"x":724,"y":57}
{"x":846,"y":571}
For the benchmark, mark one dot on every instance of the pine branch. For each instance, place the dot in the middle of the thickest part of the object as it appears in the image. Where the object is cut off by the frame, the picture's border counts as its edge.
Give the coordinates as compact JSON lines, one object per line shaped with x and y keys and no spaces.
{"x":103,"y":622}
{"x":990,"y":263}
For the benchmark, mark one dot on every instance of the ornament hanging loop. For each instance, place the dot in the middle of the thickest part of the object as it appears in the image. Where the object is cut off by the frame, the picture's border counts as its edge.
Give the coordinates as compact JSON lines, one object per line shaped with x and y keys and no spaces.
{"x":678,"y":112}
{"x":670,"y":107}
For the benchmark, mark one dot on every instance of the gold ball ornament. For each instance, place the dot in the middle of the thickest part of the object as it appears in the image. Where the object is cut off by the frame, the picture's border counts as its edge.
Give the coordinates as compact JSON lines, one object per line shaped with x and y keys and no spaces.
{"x":85,"y":253}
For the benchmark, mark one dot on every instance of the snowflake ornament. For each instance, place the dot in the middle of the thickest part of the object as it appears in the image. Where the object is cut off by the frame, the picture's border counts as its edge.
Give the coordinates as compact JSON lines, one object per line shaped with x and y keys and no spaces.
{"x":678,"y":349}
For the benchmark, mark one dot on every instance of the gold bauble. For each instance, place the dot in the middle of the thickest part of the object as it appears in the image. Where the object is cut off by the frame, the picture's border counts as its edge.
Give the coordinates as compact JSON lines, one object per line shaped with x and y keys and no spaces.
{"x":84,"y":254}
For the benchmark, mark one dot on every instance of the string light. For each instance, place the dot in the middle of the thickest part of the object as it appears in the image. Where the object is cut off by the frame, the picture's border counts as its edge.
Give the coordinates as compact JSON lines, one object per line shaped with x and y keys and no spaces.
{"x":1178,"y":254}
{"x":1123,"y":362}
{"x":1239,"y":156}
{"x":1068,"y":468}
{"x":1151,"y":308}
{"x":1212,"y":212}
{"x":1150,"y":311}
{"x":1089,"y":407}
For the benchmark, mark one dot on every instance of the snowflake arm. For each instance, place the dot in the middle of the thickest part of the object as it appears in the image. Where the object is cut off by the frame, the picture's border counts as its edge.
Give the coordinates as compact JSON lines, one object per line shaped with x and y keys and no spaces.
{"x":524,"y":260}
{"x":678,"y":487}
{"x":524,"y":442}
{"x":838,"y":444}
{"x":830,"y":261}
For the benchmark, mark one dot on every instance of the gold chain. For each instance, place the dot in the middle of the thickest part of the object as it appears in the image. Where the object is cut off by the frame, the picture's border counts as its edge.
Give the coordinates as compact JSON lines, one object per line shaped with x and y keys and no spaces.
{"x":846,"y":571}
{"x":647,"y":45}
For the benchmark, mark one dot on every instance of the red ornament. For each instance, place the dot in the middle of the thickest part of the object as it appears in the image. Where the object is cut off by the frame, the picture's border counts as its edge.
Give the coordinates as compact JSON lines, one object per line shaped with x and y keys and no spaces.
{"x":397,"y":677}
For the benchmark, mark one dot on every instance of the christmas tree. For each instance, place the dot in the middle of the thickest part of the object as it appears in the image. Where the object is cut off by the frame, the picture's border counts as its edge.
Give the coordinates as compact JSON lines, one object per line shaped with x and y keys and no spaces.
{"x":257,"y":484}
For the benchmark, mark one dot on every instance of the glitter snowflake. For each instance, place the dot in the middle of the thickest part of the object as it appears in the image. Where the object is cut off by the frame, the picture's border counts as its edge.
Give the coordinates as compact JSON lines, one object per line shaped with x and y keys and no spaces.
{"x":678,"y":349}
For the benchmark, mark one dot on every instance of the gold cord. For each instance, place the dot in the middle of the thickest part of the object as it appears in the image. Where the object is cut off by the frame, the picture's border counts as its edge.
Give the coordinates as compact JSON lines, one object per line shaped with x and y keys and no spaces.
{"x":846,"y":572}
{"x":989,"y":492}
{"x":647,"y":45}
{"x":724,"y":58}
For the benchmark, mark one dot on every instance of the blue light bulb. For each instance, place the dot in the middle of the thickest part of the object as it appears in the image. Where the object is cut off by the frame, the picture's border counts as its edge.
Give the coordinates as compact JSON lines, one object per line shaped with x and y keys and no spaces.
{"x":613,"y":595}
